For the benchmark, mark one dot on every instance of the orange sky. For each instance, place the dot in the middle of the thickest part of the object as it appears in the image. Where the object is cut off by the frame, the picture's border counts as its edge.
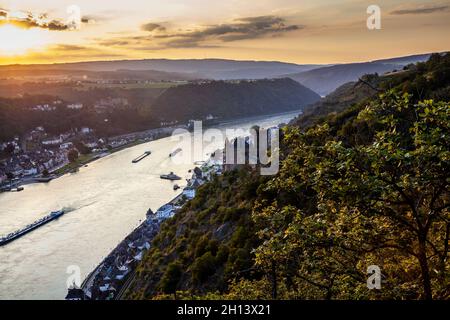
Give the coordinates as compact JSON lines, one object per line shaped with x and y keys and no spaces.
{"x":308,"y":31}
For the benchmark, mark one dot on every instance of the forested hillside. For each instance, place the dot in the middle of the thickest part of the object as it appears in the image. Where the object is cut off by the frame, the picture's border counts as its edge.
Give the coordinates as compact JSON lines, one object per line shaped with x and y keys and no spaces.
{"x":366,"y":186}
{"x":225,"y":100}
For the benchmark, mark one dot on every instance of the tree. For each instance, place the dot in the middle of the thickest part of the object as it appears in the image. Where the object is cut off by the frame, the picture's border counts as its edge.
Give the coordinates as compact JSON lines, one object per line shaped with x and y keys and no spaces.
{"x":82,"y":148}
{"x":341,"y":206}
{"x":203,"y":267}
{"x":9,"y":148}
{"x":72,"y":155}
{"x":402,"y":177}
{"x":10,"y":176}
{"x":171,"y":278}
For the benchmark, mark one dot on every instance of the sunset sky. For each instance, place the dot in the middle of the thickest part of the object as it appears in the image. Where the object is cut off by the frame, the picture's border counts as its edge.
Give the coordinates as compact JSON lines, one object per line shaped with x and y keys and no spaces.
{"x":300,"y":31}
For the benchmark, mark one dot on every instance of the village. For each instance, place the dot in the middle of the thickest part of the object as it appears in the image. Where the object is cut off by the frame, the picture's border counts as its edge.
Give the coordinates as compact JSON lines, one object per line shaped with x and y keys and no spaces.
{"x":39,"y":156}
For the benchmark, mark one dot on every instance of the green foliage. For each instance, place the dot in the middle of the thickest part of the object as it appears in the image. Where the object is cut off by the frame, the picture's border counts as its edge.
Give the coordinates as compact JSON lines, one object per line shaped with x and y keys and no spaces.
{"x":73,"y":155}
{"x":82,"y":148}
{"x":231,"y":100}
{"x":203,"y":267}
{"x":344,"y":205}
{"x":171,"y":278}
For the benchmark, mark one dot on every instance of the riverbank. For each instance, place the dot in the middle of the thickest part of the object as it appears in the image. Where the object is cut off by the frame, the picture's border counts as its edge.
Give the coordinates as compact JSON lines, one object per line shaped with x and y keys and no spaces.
{"x":110,"y":278}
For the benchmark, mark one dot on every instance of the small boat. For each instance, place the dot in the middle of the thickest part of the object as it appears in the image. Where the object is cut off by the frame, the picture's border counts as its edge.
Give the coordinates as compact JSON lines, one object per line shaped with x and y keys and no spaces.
{"x":44,"y":179}
{"x":175,"y":152}
{"x":176,"y":187}
{"x":170,"y":176}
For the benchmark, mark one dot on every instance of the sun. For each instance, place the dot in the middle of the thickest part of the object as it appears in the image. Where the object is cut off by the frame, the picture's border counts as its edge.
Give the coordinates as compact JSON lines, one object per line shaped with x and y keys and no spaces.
{"x":19,"y":41}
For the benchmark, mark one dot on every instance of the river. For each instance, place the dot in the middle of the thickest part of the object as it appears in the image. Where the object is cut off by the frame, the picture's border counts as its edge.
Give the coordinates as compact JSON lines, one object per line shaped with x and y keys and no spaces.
{"x":104,"y":202}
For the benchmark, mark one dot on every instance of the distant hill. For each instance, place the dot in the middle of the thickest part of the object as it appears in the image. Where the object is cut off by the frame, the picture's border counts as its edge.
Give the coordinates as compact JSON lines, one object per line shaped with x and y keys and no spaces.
{"x":121,"y":74}
{"x":320,"y":78}
{"x":193,"y":68}
{"x":223,"y":99}
{"x":346,"y":95}
{"x":326,"y":79}
{"x":406,"y":60}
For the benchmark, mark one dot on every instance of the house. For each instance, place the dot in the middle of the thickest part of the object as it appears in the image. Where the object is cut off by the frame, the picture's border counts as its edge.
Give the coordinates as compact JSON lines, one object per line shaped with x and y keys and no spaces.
{"x":168,"y":123}
{"x":109,"y":103}
{"x":75,"y":106}
{"x":66,"y":146}
{"x":65,"y":136}
{"x":18,"y":171}
{"x":189,"y":193}
{"x":198,"y":173}
{"x":166,"y":211}
{"x":139,"y":256}
{"x":86,"y":130}
{"x":92,"y":145}
{"x":30,"y":172}
{"x":195,"y":182}
{"x":105,"y":287}
{"x":52,"y":141}
{"x":43,"y":107}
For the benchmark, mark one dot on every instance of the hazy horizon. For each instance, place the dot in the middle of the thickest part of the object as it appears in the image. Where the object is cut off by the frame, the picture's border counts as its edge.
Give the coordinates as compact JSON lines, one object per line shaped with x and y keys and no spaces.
{"x":221,"y":58}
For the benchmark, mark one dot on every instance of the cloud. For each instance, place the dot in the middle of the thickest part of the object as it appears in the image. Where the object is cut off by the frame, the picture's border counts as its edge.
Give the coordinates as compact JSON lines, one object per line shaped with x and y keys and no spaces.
{"x":29,"y":20}
{"x":419,"y":10}
{"x":71,"y":51}
{"x":160,"y":36}
{"x":69,"y":47}
{"x":239,"y":29}
{"x":113,"y":42}
{"x":153,"y":27}
{"x":89,"y":19}
{"x":100,"y":17}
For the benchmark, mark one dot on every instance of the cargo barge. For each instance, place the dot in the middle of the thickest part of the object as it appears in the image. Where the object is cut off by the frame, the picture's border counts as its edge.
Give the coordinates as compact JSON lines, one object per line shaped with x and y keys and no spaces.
{"x":19,"y":233}
{"x":142,"y":156}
